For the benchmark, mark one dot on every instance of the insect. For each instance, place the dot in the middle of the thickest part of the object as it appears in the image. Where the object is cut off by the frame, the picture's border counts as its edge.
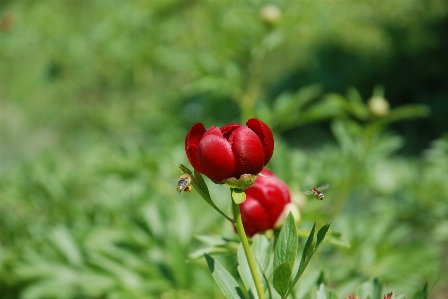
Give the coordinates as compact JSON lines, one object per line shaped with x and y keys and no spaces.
{"x":184,"y":183}
{"x":317,"y":191}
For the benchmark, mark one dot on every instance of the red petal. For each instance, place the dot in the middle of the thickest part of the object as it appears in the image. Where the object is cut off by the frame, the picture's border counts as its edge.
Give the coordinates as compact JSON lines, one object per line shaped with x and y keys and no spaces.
{"x":271,"y":193}
{"x":192,"y":143}
{"x":265,"y":134}
{"x":228,"y":129}
{"x":215,"y":156}
{"x":255,"y":219}
{"x":248,"y":151}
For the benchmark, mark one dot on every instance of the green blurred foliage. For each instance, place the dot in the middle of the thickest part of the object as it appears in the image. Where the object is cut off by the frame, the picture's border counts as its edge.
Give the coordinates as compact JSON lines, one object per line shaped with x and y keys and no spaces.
{"x":96,"y":98}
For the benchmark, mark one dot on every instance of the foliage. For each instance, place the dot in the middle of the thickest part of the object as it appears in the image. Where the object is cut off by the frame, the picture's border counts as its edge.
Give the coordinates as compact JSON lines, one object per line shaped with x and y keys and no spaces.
{"x":96,"y":98}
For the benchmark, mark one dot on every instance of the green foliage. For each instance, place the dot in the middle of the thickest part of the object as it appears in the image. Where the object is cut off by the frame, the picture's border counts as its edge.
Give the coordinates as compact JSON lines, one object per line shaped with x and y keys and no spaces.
{"x":371,"y":289}
{"x":285,"y":255}
{"x":198,"y":182}
{"x":225,"y":281}
{"x":96,"y":98}
{"x":273,"y":263}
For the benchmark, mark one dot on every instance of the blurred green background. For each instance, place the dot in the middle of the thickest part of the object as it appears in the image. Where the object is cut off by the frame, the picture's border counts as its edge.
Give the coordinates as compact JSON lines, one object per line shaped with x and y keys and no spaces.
{"x":96,"y":98}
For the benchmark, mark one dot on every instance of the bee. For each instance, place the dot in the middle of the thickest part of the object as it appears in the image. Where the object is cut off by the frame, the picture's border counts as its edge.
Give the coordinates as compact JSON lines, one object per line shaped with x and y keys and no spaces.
{"x":317,"y":191}
{"x":184,"y":183}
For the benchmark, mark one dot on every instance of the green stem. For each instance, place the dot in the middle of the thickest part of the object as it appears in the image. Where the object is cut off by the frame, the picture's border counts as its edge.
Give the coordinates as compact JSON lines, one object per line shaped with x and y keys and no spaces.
{"x":246,"y":247}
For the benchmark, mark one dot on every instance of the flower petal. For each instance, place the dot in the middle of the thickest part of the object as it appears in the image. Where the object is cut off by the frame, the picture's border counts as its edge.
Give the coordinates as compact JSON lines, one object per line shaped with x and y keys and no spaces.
{"x":272,"y":193}
{"x":192,"y":143}
{"x":254,"y":216}
{"x":248,"y":151}
{"x":265,"y":134}
{"x":228,"y":129}
{"x":215,"y":156}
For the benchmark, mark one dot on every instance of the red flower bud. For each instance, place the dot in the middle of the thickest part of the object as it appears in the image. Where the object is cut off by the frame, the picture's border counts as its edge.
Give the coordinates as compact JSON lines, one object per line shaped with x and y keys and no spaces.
{"x":229,"y":151}
{"x":266,"y":200}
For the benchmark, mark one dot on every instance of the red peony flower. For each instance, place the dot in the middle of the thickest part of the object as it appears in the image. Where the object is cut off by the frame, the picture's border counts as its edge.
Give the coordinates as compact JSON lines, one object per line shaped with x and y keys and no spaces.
{"x":268,"y":202}
{"x":229,"y":151}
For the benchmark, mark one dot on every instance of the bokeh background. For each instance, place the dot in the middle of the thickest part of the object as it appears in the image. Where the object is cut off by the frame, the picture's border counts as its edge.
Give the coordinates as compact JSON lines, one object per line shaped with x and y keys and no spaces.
{"x":96,"y":97}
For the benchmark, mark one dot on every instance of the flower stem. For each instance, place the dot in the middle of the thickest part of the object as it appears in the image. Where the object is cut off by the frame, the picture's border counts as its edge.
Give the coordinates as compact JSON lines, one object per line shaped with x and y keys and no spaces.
{"x":246,"y":247}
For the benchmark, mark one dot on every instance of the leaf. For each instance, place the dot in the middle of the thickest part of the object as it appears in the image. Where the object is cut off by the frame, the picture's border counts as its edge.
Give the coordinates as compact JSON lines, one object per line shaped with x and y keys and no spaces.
{"x":405,"y":112}
{"x":321,"y":234}
{"x":201,"y":187}
{"x":337,"y":239}
{"x":195,"y":255}
{"x":262,"y":249}
{"x":197,"y":181}
{"x":63,"y":241}
{"x":211,"y":240}
{"x":238,"y":196}
{"x":422,"y":293}
{"x":286,"y":247}
{"x":245,"y":274}
{"x":332,"y":237}
{"x":128,"y":277}
{"x":325,"y":293}
{"x":225,"y":281}
{"x":282,"y":276}
{"x":308,"y":251}
{"x":287,"y":105}
{"x":373,"y":288}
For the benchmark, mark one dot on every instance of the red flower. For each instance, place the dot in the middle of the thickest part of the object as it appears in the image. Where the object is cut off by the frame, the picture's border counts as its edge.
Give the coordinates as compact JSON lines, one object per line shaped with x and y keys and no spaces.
{"x":266,"y":200}
{"x":229,"y":151}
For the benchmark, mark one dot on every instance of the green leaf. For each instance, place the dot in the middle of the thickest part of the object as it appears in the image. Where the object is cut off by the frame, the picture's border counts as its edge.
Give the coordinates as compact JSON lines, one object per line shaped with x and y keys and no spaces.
{"x":63,"y":241}
{"x":282,"y":276}
{"x":325,"y":293}
{"x":245,"y":274}
{"x":373,"y":288}
{"x":195,"y":255}
{"x":225,"y":281}
{"x":201,"y":187}
{"x":337,"y":239}
{"x":356,"y":105}
{"x":211,"y":240}
{"x":332,"y":237}
{"x":405,"y":112}
{"x":197,"y":181}
{"x":262,"y":249}
{"x":286,"y":247}
{"x":321,"y":234}
{"x":308,"y":251}
{"x":422,"y":293}
{"x":200,"y":184}
{"x":238,"y":196}
{"x":309,"y":246}
{"x":287,"y":106}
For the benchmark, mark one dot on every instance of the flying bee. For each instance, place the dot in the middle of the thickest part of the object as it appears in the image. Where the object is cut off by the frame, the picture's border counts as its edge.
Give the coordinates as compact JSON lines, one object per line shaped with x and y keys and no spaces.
{"x":184,"y":183}
{"x":317,"y":191}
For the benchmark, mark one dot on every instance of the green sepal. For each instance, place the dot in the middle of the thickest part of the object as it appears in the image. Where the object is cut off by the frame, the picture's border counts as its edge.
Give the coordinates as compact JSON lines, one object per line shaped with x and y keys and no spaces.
{"x":238,"y":196}
{"x":244,"y":182}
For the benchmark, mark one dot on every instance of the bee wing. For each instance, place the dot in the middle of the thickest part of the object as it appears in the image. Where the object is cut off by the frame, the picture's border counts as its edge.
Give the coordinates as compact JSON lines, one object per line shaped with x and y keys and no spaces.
{"x":308,"y":192}
{"x":324,"y":187}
